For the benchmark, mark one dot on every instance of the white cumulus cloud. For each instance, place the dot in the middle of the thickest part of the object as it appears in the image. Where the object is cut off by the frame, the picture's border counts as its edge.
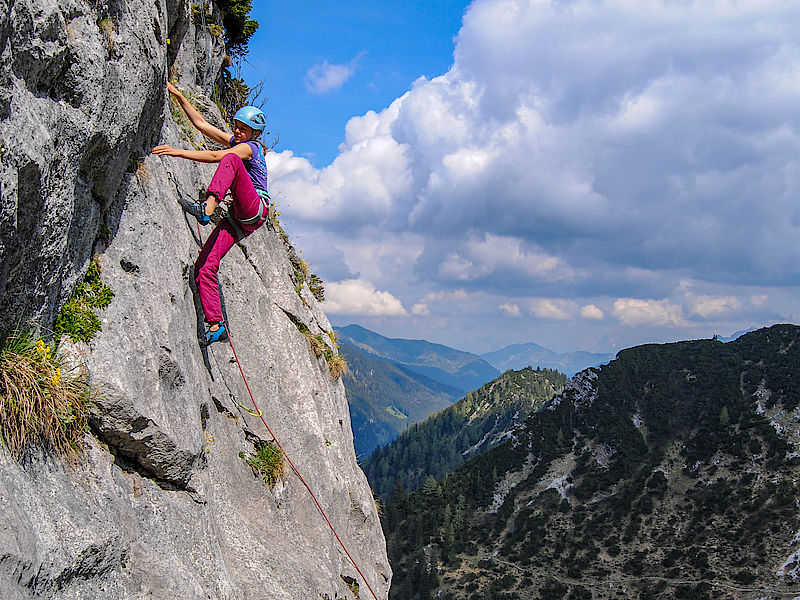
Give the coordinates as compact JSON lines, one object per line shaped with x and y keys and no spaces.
{"x":578,"y":149}
{"x":510,"y":309}
{"x":325,"y":77}
{"x":711,"y":306}
{"x":359,"y":297}
{"x":590,"y":311}
{"x":633,"y":312}
{"x":420,"y":309}
{"x":551,"y":309}
{"x":574,"y":145}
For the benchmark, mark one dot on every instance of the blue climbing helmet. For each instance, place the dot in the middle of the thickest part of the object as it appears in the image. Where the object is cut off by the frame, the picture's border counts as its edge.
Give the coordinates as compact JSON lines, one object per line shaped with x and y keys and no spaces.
{"x":252,"y":117}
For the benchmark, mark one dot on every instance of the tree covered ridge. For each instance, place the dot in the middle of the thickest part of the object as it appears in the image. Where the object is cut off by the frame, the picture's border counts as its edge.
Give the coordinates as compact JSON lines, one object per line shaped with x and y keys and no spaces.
{"x":663,"y":477}
{"x":443,"y":442}
{"x":385,"y":397}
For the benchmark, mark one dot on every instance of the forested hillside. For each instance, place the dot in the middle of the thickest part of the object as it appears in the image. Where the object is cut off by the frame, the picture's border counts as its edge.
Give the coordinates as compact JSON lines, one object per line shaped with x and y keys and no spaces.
{"x":385,"y":398}
{"x":672,"y":472}
{"x":476,"y":423}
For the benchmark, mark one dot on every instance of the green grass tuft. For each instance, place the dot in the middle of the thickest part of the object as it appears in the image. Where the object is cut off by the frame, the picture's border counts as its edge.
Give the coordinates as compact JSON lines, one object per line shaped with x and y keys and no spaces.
{"x":337,"y":364}
{"x":268,"y":463}
{"x":40,"y":403}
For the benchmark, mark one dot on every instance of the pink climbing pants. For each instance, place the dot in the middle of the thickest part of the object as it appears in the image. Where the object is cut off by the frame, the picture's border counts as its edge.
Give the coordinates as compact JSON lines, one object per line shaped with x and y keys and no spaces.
{"x":230,"y":175}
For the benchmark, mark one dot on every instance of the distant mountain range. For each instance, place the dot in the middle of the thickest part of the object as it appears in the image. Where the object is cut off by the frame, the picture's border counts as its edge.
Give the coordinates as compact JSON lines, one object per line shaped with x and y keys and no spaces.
{"x":519,"y":356}
{"x":455,"y":368}
{"x":385,"y":398}
{"x":394,"y":382}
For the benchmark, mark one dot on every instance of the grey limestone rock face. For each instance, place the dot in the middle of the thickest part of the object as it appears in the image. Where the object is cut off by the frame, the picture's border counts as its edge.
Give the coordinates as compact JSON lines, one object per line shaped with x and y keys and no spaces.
{"x":83,"y":87}
{"x":161,"y":504}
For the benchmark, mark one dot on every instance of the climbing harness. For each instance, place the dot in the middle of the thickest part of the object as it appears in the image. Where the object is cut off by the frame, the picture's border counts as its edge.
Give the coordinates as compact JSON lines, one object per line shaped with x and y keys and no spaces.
{"x":260,"y":216}
{"x":257,"y":413}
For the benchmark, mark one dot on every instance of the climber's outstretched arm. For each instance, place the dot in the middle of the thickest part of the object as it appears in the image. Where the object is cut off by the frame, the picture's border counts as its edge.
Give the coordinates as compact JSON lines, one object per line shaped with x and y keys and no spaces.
{"x":243,"y":151}
{"x":203,"y":126}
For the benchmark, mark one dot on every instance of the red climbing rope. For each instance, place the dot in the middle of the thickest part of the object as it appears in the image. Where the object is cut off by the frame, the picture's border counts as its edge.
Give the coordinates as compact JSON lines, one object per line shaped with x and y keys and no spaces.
{"x":296,"y":472}
{"x":260,"y":415}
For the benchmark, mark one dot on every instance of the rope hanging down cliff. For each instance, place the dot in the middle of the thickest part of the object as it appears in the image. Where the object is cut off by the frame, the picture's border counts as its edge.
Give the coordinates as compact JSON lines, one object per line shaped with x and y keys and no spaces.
{"x":258,"y":413}
{"x":241,"y":170}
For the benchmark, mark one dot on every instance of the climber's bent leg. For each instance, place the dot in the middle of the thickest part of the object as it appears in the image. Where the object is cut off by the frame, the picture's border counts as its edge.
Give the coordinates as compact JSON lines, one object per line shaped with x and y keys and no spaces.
{"x":206,"y":267}
{"x":232,"y":175}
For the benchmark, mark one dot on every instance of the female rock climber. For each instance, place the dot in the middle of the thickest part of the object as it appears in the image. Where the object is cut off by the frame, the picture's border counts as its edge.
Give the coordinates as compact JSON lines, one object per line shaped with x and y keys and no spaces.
{"x":242,"y":170}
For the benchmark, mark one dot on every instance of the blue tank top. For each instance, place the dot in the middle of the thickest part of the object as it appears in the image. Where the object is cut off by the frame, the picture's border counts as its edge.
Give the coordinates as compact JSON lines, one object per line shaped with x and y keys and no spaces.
{"x":257,"y":166}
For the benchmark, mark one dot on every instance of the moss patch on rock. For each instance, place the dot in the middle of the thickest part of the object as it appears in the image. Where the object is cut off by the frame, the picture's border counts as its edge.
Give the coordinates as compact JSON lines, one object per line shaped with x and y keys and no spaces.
{"x":77,"y":318}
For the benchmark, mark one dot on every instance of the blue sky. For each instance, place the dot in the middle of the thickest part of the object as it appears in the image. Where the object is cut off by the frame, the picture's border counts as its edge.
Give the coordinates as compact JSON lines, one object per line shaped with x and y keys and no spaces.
{"x":385,"y":45}
{"x":584,"y":174}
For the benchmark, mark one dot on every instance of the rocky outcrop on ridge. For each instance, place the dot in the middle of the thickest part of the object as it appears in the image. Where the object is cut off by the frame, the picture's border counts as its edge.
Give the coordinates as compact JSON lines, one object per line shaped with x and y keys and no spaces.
{"x":161,"y":505}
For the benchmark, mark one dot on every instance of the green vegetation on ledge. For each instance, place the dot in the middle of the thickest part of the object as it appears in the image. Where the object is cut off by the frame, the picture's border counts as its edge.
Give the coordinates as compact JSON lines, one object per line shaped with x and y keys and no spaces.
{"x":40,"y":403}
{"x":337,"y":365}
{"x":267,"y":463}
{"x":239,"y":27}
{"x":77,"y":318}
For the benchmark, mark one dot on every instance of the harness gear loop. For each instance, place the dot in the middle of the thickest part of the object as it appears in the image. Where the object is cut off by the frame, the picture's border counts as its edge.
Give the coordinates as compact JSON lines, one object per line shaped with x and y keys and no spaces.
{"x":260,"y":216}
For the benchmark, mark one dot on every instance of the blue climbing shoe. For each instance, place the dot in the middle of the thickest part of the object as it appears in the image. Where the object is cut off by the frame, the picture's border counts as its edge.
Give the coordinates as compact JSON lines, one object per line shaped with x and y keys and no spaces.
{"x":220,"y":335}
{"x":197,"y":209}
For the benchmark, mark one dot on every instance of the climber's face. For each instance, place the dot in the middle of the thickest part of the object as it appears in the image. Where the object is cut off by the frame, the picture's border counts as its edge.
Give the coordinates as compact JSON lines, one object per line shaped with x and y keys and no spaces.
{"x":242,"y":132}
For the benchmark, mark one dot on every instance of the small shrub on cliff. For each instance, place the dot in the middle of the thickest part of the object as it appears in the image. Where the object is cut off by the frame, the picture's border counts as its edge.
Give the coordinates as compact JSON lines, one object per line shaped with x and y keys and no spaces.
{"x":300,"y":272}
{"x":315,"y":341}
{"x":199,"y":15}
{"x":108,"y":27}
{"x":239,"y":27}
{"x":316,"y":287}
{"x":302,"y":275}
{"x":267,"y":462}
{"x":337,"y":364}
{"x":76,"y":318}
{"x":40,"y":404}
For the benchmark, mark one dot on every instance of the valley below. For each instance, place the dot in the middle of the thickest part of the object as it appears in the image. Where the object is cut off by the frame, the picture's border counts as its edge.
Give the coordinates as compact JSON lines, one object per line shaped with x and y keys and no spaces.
{"x":671,"y":472}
